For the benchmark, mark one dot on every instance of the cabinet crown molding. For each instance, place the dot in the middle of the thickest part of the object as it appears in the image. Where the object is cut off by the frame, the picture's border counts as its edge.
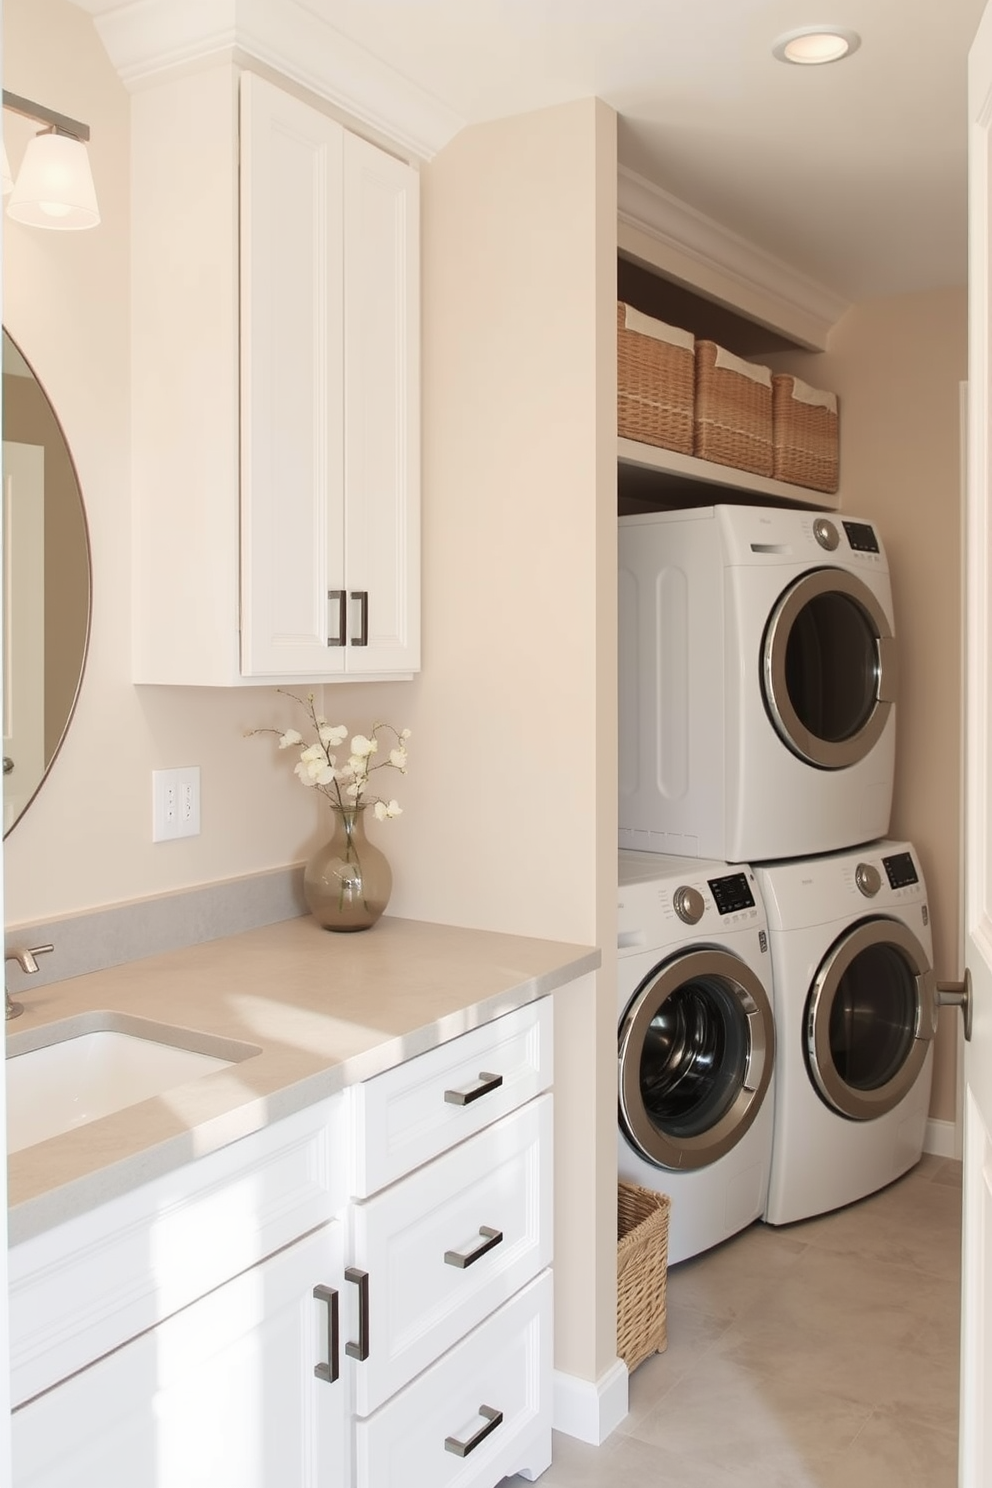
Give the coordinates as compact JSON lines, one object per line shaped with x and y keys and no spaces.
{"x":714,"y":259}
{"x":147,"y":38}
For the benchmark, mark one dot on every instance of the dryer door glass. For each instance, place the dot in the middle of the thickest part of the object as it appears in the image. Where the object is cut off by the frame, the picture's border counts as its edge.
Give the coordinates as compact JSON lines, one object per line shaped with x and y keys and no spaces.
{"x":870,"y":1019}
{"x":695,"y":1059}
{"x":828,"y":670}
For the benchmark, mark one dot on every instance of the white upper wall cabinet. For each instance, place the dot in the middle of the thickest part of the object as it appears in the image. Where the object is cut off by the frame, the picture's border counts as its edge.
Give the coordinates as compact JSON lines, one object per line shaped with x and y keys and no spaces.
{"x":276,"y":370}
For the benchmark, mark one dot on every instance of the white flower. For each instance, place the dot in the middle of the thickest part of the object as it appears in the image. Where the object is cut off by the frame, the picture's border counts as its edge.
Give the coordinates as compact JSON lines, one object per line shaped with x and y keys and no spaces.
{"x":347,"y":783}
{"x":384,"y":809}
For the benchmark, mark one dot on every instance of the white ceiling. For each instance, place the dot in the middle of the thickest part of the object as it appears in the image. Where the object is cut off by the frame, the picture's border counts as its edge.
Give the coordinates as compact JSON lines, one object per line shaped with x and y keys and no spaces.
{"x":854,"y":173}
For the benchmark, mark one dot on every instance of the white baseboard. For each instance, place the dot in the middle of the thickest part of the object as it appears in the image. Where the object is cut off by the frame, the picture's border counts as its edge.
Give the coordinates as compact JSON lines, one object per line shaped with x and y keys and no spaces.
{"x":590,"y":1409}
{"x":942,"y":1139}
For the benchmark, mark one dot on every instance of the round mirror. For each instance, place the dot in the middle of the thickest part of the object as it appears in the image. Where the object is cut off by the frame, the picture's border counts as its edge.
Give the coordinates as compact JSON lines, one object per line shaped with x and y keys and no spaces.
{"x":46,"y":585}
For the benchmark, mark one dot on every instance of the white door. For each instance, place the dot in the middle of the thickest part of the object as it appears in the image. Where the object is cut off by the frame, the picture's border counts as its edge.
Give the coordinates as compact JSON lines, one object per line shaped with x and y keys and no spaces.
{"x":975,"y":1458}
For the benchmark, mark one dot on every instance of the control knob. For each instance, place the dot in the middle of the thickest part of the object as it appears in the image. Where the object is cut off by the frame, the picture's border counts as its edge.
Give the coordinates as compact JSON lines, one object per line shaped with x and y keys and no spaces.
{"x":826,"y":534}
{"x":689,"y":904}
{"x":868,"y":879}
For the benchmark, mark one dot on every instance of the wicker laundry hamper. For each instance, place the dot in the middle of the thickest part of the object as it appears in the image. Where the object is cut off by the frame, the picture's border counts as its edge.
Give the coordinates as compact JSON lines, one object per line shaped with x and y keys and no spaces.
{"x":642,"y":1272}
{"x":655,"y":381}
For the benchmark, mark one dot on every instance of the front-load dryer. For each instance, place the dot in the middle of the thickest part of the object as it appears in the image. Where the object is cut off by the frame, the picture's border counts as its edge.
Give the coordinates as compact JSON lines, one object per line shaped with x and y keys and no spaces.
{"x":696,"y":1044}
{"x":758,"y":681}
{"x":855,"y":1011}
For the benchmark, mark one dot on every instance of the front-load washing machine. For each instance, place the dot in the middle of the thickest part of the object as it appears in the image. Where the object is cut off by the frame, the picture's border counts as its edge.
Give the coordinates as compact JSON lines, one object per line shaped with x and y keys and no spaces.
{"x":758,"y":680}
{"x":855,"y":1011}
{"x":696,"y":1043}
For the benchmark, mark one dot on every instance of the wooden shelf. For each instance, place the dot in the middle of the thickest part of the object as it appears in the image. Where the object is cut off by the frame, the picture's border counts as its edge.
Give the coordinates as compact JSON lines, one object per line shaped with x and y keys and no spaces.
{"x":650,"y":476}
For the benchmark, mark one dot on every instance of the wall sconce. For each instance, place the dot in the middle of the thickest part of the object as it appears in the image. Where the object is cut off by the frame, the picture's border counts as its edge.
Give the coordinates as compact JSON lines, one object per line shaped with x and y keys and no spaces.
{"x":54,"y":186}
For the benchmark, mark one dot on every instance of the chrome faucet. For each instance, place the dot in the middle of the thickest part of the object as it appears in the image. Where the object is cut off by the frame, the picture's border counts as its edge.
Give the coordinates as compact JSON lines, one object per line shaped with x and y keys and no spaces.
{"x":25,"y":958}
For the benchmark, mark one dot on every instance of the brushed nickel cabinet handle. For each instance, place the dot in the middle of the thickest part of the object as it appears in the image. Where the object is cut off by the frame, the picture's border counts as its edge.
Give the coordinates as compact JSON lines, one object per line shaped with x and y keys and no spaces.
{"x":490,"y":1238}
{"x":329,"y":1372}
{"x":493,"y":1418}
{"x":337,"y":596}
{"x":362,"y":638}
{"x":360,"y":1350}
{"x":488,"y":1083}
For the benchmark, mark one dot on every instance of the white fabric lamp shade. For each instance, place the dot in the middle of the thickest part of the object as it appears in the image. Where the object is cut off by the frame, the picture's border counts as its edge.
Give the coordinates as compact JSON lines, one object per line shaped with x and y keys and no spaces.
{"x":7,"y":177}
{"x":54,"y":186}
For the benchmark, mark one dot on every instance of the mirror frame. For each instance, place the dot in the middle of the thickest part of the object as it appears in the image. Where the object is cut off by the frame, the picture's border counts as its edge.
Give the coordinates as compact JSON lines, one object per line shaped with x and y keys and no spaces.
{"x":84,"y":653}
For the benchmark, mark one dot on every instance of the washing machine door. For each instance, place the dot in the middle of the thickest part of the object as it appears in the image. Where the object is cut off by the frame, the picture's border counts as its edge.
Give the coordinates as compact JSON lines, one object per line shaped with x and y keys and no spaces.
{"x":696,"y":1047}
{"x":829,"y":668}
{"x":870,"y":1018}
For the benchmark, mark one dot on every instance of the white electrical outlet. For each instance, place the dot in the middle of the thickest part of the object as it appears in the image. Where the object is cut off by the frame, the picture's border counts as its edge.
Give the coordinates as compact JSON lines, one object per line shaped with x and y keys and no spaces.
{"x":175,"y":803}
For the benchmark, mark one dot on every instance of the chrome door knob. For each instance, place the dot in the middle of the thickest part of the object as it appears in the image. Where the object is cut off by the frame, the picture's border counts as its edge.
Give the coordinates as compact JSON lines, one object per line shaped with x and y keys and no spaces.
{"x":958,"y":994}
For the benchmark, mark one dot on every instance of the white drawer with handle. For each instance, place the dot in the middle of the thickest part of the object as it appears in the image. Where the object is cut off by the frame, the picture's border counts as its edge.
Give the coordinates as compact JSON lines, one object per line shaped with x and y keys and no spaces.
{"x":481,"y":1413}
{"x":408,"y":1115}
{"x":435,"y":1253}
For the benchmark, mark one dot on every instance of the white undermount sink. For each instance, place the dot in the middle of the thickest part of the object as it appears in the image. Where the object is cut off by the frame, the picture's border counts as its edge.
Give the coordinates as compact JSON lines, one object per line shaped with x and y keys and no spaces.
{"x":83,"y":1073}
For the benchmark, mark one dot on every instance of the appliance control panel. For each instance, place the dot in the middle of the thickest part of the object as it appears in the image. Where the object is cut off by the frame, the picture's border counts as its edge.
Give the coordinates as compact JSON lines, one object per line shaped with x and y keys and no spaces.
{"x":732,"y":893}
{"x":861,"y":536}
{"x":900,"y":870}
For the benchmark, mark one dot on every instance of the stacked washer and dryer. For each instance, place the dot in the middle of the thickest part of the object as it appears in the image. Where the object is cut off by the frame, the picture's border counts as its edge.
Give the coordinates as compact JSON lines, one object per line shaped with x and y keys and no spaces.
{"x":777,"y":1003}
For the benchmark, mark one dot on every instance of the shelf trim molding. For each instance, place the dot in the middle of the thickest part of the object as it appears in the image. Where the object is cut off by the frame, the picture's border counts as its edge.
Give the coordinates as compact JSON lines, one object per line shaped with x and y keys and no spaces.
{"x":707,"y":472}
{"x":708,"y":257}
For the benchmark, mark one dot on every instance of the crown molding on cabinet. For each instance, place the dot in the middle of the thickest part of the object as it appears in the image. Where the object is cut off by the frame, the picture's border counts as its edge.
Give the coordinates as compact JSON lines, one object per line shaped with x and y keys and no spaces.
{"x":146,"y":38}
{"x":665,"y":232}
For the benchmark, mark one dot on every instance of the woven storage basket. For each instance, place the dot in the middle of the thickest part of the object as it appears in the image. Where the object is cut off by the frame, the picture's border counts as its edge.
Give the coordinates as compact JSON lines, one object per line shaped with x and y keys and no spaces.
{"x":655,"y":380}
{"x":642,"y":1272}
{"x":733,"y":410}
{"x":805,"y":435}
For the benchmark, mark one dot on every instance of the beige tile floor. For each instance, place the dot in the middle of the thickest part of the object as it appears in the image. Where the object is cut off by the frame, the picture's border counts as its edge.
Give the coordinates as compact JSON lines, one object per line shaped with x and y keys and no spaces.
{"x":820,"y":1355}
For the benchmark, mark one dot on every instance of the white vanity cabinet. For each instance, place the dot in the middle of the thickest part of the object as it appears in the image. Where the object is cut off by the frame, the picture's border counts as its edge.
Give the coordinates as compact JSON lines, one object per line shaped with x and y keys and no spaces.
{"x":276,"y":421}
{"x":356,"y":1296}
{"x":183,"y":1335}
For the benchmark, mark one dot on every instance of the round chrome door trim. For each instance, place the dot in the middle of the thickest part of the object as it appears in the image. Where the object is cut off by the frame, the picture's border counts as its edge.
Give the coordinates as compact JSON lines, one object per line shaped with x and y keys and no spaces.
{"x":745,"y":990}
{"x":827,"y":754}
{"x":860,"y":1104}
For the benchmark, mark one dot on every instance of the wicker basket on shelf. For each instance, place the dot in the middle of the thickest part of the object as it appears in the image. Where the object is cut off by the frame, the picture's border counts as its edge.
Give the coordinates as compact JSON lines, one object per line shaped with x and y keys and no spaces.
{"x":733,"y":410}
{"x":655,"y":381}
{"x":805,"y":434}
{"x":642,"y":1272}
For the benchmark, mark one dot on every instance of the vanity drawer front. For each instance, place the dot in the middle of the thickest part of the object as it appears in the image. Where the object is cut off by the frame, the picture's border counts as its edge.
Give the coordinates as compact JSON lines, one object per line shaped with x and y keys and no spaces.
{"x":445,"y":1247}
{"x":504,"y":1365}
{"x":410,"y":1114}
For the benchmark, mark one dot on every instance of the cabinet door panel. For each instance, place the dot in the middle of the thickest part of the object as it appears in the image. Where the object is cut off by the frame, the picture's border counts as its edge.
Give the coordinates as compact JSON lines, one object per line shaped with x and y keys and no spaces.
{"x":221,"y":1395}
{"x":292,"y":392}
{"x":428,"y":1243}
{"x":382,"y":407}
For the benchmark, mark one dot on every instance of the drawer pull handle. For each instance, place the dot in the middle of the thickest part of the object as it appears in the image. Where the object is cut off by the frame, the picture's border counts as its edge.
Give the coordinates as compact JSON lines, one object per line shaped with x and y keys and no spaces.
{"x":493,"y":1418}
{"x":490,"y":1238}
{"x":329,"y":1372}
{"x":337,"y":597}
{"x":360,"y":1350}
{"x":487,"y":1083}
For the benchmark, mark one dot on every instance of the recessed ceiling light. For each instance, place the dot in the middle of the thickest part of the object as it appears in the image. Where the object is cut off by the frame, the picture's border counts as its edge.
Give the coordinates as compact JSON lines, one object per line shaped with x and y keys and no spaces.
{"x":811,"y":46}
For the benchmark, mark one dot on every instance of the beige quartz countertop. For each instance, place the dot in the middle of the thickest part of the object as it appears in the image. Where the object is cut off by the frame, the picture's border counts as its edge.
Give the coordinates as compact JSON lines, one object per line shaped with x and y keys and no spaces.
{"x":323,"y":1011}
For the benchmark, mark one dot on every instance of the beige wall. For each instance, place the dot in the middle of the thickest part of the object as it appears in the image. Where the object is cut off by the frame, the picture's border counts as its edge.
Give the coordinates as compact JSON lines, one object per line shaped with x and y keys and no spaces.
{"x":510,"y":812}
{"x":898,"y":365}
